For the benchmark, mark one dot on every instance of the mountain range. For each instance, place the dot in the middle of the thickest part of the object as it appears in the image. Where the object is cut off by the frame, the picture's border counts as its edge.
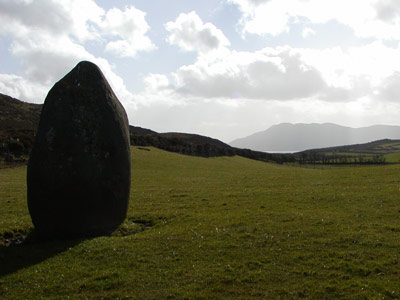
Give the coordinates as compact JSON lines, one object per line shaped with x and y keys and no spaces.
{"x":287,"y":137}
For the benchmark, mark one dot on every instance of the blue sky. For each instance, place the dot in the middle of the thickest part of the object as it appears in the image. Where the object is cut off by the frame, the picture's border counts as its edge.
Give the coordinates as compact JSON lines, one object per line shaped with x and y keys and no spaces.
{"x":221,"y":68}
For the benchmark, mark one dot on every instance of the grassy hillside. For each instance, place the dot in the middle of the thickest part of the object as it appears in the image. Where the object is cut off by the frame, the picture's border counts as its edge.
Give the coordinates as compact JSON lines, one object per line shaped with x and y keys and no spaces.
{"x":220,"y":228}
{"x":18,"y":123}
{"x":383,"y":147}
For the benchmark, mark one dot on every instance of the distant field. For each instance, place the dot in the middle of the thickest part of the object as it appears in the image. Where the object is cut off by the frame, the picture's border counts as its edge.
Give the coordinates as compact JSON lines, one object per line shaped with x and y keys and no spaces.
{"x":393,"y":157}
{"x":377,"y":152}
{"x":377,"y":147}
{"x":220,"y":228}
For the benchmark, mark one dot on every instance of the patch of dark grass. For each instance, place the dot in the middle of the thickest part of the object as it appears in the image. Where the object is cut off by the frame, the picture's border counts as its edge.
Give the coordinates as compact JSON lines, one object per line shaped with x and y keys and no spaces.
{"x":133,"y":226}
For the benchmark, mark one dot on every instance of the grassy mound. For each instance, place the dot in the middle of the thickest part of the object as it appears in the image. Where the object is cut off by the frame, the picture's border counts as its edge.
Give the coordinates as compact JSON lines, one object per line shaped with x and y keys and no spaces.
{"x":219,"y":228}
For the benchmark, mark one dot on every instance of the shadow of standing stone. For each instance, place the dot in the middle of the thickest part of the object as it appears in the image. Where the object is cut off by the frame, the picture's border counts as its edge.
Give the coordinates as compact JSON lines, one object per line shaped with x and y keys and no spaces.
{"x":78,"y":174}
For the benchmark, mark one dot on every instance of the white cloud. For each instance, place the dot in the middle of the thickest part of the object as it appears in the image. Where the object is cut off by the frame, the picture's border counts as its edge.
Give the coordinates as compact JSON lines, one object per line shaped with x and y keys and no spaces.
{"x":389,"y":89}
{"x":388,"y":11}
{"x":258,"y":2}
{"x":368,"y":18}
{"x":48,"y":37}
{"x":224,"y":97}
{"x":359,"y":69}
{"x":20,"y":88}
{"x":64,"y":17}
{"x":45,"y":65}
{"x":307,"y":32}
{"x":45,"y":59}
{"x":263,"y":17}
{"x":156,"y":82}
{"x":270,"y":74}
{"x":131,"y":27}
{"x":190,"y":33}
{"x":286,"y":73}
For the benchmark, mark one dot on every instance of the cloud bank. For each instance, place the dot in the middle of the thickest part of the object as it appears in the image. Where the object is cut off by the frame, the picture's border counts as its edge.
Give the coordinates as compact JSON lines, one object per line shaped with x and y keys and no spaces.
{"x":49,"y":38}
{"x":367,"y":18}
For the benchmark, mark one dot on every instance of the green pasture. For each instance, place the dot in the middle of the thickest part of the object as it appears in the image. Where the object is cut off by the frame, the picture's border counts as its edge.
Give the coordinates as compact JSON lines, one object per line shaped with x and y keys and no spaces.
{"x":393,"y":157}
{"x":219,"y":228}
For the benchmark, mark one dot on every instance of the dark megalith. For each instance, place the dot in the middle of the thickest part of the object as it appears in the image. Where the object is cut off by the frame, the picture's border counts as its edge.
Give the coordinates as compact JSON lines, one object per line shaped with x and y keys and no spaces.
{"x":79,"y":169}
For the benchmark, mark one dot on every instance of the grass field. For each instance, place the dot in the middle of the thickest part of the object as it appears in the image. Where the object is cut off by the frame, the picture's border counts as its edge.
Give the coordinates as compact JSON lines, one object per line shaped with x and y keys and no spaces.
{"x":220,"y":228}
{"x":393,"y":157}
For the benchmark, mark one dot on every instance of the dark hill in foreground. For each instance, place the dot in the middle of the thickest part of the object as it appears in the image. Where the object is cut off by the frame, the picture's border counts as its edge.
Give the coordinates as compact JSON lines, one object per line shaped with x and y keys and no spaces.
{"x":18,"y":123}
{"x":189,"y":144}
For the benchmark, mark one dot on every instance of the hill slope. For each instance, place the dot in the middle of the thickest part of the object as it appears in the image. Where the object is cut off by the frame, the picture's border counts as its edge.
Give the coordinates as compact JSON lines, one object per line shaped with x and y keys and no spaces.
{"x":183,"y":143}
{"x":385,"y":146}
{"x":299,"y":137}
{"x":18,"y":123}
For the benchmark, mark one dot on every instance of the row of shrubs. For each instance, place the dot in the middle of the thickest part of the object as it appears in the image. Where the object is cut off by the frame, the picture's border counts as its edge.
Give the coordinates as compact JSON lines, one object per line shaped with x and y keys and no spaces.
{"x":332,"y":159}
{"x":16,"y":146}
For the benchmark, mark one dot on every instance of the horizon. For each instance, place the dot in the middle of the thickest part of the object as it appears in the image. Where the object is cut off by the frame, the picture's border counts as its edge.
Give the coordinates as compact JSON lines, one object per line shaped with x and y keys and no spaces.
{"x":284,"y":123}
{"x":257,"y":132}
{"x":219,"y":68}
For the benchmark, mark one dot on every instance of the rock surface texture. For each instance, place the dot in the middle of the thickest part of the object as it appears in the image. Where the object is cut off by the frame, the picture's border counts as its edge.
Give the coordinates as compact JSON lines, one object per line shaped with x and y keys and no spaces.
{"x":79,"y":169}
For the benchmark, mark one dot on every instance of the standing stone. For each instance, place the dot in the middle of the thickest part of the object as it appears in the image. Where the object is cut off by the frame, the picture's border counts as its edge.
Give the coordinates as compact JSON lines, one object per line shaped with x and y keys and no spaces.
{"x":79,"y":170}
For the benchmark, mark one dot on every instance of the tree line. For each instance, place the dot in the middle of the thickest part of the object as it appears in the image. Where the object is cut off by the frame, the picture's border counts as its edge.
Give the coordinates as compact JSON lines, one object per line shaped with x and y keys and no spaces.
{"x":336,"y":159}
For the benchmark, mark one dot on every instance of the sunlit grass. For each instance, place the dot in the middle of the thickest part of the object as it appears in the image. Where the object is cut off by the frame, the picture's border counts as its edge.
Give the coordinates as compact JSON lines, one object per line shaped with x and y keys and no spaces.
{"x":221,"y":228}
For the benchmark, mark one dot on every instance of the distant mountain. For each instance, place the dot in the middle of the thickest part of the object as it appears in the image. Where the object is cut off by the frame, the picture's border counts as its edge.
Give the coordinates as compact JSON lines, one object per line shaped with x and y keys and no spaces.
{"x":299,"y":137}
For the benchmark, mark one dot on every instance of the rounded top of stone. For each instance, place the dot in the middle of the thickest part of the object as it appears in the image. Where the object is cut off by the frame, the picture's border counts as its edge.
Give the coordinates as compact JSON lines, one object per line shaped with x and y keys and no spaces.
{"x":87,"y":65}
{"x":85,"y":73}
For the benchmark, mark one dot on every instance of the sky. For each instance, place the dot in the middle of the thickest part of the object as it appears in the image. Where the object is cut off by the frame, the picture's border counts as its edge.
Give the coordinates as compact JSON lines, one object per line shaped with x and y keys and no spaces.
{"x":220,"y":68}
